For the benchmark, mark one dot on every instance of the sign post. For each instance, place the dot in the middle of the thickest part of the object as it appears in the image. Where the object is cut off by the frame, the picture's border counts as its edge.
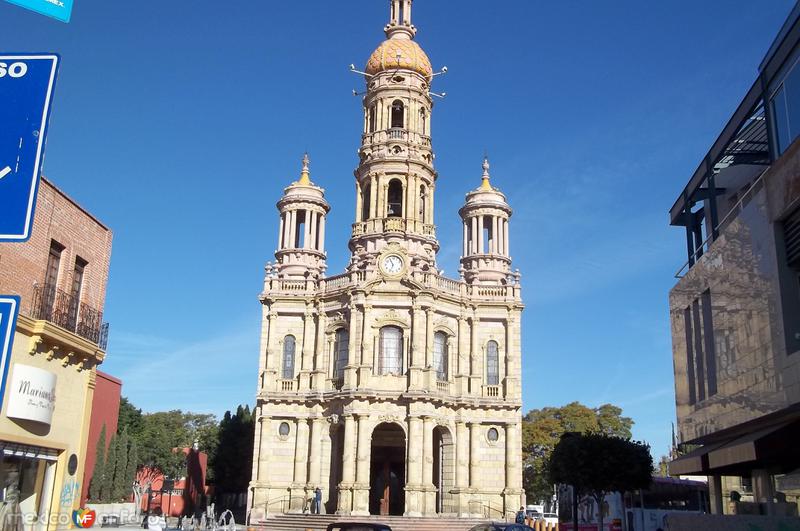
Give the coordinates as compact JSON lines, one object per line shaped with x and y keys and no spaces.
{"x":26,"y":92}
{"x":9,"y":308}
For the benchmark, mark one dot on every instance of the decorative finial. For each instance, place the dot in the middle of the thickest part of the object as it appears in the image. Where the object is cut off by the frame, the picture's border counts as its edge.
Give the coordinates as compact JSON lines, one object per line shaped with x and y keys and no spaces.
{"x":304,"y":179}
{"x":485,"y":179}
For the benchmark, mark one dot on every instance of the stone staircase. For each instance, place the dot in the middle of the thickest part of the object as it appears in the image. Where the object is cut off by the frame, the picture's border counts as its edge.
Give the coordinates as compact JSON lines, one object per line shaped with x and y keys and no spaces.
{"x":319,"y":522}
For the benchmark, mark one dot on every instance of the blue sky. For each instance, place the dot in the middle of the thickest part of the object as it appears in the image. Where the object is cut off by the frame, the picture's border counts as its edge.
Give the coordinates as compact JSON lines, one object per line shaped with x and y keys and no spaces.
{"x":178,"y":123}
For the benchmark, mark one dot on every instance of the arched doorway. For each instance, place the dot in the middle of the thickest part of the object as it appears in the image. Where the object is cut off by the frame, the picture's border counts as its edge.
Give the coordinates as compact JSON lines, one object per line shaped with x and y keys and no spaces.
{"x":443,"y":469}
{"x":387,"y":476}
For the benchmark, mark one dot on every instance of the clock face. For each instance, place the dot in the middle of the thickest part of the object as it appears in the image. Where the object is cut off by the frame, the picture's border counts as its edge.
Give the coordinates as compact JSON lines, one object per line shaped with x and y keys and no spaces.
{"x":392,"y":264}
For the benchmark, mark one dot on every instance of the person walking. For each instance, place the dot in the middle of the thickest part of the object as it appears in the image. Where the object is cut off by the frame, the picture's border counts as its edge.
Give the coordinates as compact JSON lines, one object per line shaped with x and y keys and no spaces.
{"x":317,"y":500}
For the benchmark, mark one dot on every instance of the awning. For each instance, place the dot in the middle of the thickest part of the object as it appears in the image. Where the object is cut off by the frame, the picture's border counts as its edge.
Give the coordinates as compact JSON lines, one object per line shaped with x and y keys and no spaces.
{"x":24,"y":450}
{"x":743,"y":449}
{"x":694,"y":462}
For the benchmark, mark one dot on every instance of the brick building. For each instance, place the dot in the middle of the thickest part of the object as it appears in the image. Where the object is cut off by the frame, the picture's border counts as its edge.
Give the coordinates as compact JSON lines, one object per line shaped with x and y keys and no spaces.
{"x":60,"y":273}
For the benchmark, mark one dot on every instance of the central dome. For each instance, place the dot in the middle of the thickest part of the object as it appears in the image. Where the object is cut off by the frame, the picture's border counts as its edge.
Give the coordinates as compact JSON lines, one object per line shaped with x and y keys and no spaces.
{"x":399,"y":53}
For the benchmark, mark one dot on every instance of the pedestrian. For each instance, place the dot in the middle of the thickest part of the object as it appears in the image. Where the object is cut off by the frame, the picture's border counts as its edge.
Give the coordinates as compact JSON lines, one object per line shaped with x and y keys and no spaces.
{"x":520,"y":519}
{"x":317,"y":500}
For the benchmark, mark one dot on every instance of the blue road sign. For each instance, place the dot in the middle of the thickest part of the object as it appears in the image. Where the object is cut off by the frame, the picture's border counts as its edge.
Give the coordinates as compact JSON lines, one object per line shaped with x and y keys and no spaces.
{"x":58,"y":9}
{"x":26,"y":91}
{"x":9,"y":308}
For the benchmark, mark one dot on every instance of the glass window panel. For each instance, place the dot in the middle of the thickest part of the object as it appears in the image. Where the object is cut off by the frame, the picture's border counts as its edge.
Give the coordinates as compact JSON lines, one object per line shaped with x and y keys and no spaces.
{"x":492,"y":364}
{"x":391,"y":346}
{"x":791,"y":90}
{"x":341,"y":347}
{"x":781,"y":120}
{"x":288,"y":357}
{"x":440,"y":355}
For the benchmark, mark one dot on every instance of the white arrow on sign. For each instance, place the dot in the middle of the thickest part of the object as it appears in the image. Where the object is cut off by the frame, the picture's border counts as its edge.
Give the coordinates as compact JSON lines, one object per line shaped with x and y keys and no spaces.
{"x":5,"y":171}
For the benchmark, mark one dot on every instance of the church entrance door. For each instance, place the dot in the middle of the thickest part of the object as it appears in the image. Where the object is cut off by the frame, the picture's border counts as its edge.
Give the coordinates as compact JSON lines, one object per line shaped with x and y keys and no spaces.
{"x":387,"y":471}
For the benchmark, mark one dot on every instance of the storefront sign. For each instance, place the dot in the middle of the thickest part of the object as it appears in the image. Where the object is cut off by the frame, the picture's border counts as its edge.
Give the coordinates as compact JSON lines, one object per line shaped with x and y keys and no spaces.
{"x":31,"y":394}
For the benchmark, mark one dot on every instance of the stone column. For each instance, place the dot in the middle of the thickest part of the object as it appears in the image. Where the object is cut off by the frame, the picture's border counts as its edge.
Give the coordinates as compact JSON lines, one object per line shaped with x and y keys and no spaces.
{"x":270,"y":381}
{"x":350,"y":375}
{"x":313,"y":244}
{"x":257,"y":496}
{"x":462,"y":468}
{"x":715,"y":494}
{"x":319,"y":365}
{"x":280,"y":233}
{"x":473,"y":243}
{"x":481,"y":250}
{"x":321,"y":247}
{"x":465,"y":243}
{"x":415,"y":459}
{"x":495,"y":247}
{"x":474,"y":454}
{"x":361,"y":488}
{"x":348,"y":466}
{"x":287,"y":229}
{"x":373,"y":195}
{"x":298,"y":489}
{"x":512,"y":494}
{"x":365,"y":369}
{"x":308,"y":347}
{"x":315,"y":458}
{"x":427,"y":466}
{"x":507,"y":251}
{"x":417,"y":362}
{"x":428,"y":347}
{"x":475,"y":372}
{"x":359,"y":201}
{"x":292,"y":228}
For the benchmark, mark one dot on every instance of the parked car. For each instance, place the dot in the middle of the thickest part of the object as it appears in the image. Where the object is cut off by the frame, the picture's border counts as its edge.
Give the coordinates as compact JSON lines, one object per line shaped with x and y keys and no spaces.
{"x":358,"y":526}
{"x":500,"y":526}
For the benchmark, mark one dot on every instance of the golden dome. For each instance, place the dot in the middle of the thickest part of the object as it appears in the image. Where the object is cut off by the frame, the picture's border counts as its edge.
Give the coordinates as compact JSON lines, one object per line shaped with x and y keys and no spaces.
{"x":399,"y":53}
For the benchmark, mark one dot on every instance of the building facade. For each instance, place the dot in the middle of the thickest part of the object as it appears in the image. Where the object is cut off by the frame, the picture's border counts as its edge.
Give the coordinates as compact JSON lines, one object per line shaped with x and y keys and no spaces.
{"x":735,"y":310}
{"x":105,"y":414}
{"x":394,"y":389}
{"x":60,"y":275}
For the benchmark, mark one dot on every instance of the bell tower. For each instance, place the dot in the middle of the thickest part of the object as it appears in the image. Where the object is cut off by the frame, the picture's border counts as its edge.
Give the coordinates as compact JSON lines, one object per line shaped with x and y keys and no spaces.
{"x":395,"y":178}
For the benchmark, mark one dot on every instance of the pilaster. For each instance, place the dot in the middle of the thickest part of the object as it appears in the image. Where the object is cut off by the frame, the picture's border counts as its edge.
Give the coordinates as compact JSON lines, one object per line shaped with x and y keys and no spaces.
{"x":361,"y":487}
{"x":413,"y":487}
{"x":348,"y":465}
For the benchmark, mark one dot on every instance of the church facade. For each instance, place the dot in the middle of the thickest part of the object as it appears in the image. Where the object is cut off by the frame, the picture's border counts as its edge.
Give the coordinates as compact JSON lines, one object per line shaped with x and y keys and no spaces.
{"x":392,"y":388}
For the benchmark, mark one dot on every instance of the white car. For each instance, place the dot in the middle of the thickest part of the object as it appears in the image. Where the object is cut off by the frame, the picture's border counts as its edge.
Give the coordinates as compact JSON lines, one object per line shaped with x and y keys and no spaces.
{"x":550,"y":518}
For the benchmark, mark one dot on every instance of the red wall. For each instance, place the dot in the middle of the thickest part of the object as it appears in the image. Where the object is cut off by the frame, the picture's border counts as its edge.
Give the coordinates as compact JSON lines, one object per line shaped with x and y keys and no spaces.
{"x":186,"y":492}
{"x":105,"y":411}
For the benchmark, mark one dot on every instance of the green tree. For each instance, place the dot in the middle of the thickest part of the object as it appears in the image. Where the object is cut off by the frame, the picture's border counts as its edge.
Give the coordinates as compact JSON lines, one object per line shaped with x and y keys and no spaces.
{"x":133,"y":461}
{"x":129,"y":417}
{"x":96,"y":483}
{"x":597,"y":464}
{"x":542,"y":429}
{"x":232,"y":462}
{"x":662,"y":468}
{"x":121,"y":484}
{"x":110,"y":469}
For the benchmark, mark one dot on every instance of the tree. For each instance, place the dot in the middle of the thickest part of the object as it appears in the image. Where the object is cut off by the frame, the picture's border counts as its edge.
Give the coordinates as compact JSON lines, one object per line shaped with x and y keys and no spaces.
{"x":133,"y":461}
{"x":542,"y":429}
{"x":597,"y":464}
{"x":129,"y":418}
{"x":662,"y":468}
{"x":110,"y":469}
{"x":232,"y":462}
{"x":121,"y":484}
{"x":96,"y":484}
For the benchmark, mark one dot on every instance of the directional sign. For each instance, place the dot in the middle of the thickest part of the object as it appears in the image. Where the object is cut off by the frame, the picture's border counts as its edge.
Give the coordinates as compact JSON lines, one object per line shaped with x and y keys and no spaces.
{"x":58,"y":9}
{"x":9,"y":308}
{"x":26,"y":90}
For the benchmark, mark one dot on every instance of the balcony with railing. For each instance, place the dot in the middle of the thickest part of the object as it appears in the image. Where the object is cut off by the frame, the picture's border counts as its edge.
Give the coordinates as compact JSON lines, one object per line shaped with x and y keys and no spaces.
{"x":395,"y":134}
{"x":70,"y":313}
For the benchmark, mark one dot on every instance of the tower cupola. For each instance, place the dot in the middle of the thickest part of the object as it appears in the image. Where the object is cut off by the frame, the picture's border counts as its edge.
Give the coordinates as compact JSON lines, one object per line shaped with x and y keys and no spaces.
{"x":301,"y":237}
{"x":485,"y":253}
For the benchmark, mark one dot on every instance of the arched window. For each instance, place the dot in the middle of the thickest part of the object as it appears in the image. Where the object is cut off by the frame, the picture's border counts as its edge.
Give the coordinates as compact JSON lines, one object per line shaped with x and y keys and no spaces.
{"x":440,"y":355}
{"x":423,"y":121}
{"x":390,"y":360}
{"x":398,"y":112}
{"x":395,"y":199}
{"x":288,"y":357}
{"x":366,"y":199}
{"x":492,"y":364}
{"x":422,"y":205}
{"x":340,"y":352}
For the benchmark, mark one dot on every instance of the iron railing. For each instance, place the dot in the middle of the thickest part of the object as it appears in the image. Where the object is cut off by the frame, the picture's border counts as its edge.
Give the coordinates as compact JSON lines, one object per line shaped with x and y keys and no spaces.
{"x":68,"y":312}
